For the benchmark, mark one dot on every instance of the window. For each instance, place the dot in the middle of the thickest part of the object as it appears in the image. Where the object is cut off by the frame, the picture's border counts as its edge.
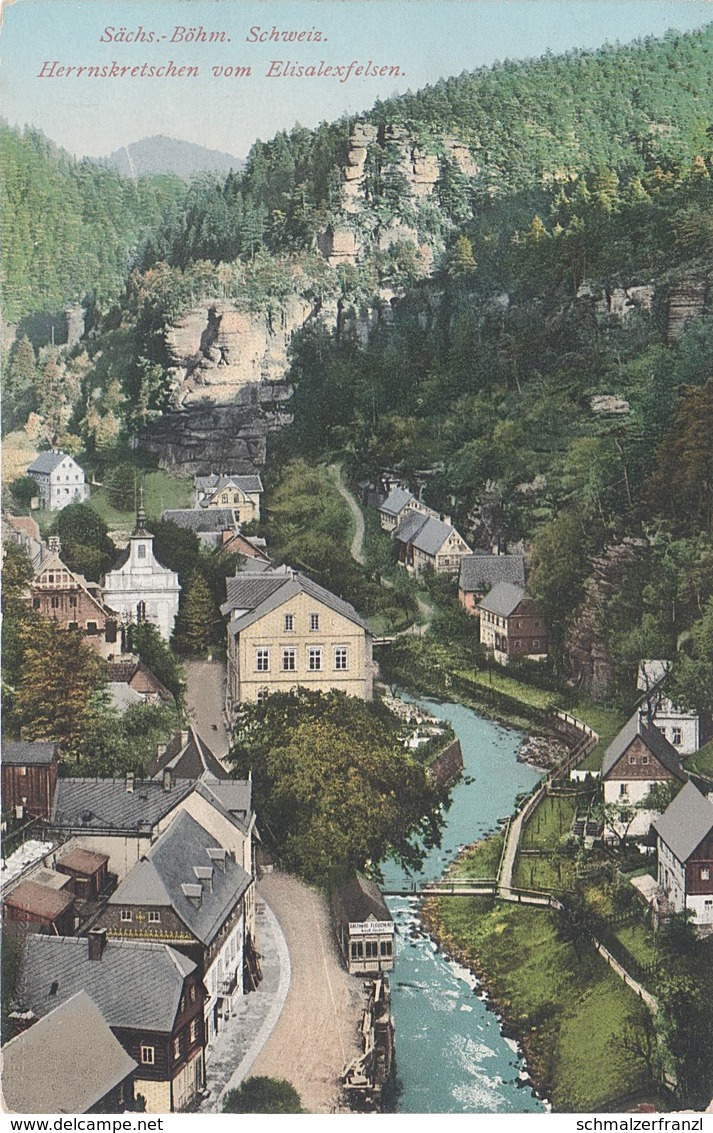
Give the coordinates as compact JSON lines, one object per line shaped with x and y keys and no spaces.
{"x":73,"y":599}
{"x":676,"y":736}
{"x":22,"y":770}
{"x":73,"y":625}
{"x":148,"y":1055}
{"x":705,"y":873}
{"x":372,"y":949}
{"x":289,"y":622}
{"x":314,"y":660}
{"x":289,"y":660}
{"x":624,"y":789}
{"x":644,"y":760}
{"x":193,"y":1031}
{"x":35,"y":603}
{"x":55,"y":602}
{"x":262,"y":660}
{"x":126,"y":914}
{"x":341,"y":658}
{"x":262,"y":695}
{"x":141,"y":612}
{"x":536,"y":644}
{"x":357,"y":950}
{"x":91,"y":629}
{"x":386,"y":948}
{"x":142,"y":550}
{"x":632,"y":760}
{"x":177,"y":1047}
{"x":154,"y":916}
{"x":314,"y":621}
{"x":224,"y":498}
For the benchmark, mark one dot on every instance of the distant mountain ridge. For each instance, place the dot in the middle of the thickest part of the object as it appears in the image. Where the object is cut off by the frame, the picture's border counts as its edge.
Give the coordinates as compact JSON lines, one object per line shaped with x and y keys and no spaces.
{"x":160,"y":154}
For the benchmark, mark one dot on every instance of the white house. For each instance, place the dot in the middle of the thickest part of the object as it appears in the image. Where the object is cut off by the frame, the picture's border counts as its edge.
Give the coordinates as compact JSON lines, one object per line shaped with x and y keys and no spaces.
{"x":680,"y":727}
{"x":60,"y":480}
{"x":636,"y":761}
{"x":138,"y":588}
{"x":685,"y":852}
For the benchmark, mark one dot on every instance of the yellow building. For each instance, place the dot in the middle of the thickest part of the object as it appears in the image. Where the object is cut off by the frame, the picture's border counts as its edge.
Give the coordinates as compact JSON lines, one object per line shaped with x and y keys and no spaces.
{"x":241,"y":493}
{"x":284,"y":630}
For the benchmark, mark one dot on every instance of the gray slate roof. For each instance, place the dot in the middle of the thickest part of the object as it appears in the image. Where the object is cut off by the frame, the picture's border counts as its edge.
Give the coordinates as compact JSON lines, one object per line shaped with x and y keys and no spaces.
{"x":480,"y":573}
{"x":135,"y":984}
{"x":21,"y":753}
{"x":187,"y":759}
{"x":215,"y":483}
{"x":685,"y":822}
{"x":65,"y":1063}
{"x":358,"y":898}
{"x":105,"y":805}
{"x":502,"y":599}
{"x":231,"y":797}
{"x":278,"y":586}
{"x":396,"y":501}
{"x":655,"y":741}
{"x":161,"y":876}
{"x":46,"y":462}
{"x":211,"y":520}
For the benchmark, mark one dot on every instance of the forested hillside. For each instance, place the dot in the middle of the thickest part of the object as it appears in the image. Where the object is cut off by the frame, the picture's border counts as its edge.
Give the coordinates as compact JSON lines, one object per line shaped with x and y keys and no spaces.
{"x":69,"y":229}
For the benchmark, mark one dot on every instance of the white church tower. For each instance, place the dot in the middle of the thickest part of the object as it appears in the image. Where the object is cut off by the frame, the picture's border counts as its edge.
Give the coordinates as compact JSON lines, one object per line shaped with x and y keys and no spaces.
{"x":138,"y":588}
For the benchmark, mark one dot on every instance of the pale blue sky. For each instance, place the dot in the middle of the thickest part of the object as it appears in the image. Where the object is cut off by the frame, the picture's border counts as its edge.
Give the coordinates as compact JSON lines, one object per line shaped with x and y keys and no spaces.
{"x":427,"y":40}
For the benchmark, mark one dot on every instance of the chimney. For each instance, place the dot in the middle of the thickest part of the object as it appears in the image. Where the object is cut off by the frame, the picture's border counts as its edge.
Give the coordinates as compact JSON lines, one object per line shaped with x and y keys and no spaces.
{"x":160,"y":750}
{"x":130,"y":782}
{"x":167,"y":779}
{"x":97,"y":943}
{"x":184,"y":739}
{"x":54,"y":544}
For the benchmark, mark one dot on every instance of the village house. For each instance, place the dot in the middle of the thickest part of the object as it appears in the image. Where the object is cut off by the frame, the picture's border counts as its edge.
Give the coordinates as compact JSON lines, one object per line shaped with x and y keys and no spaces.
{"x":285,"y":630}
{"x":186,"y":756}
{"x":364,"y":926}
{"x":189,"y":891}
{"x":59,"y":479}
{"x":680,"y":727}
{"x":398,"y":503}
{"x":139,"y":588}
{"x":480,"y":573}
{"x":425,"y":541}
{"x":511,"y":625}
{"x":68,"y":1062}
{"x":240,"y":492}
{"x":68,"y":599}
{"x":45,"y":905}
{"x":129,"y":670}
{"x":638,"y":759}
{"x":29,"y":777}
{"x":248,"y":546}
{"x":149,"y":994}
{"x":684,"y":839}
{"x":87,"y":872}
{"x":212,"y":526}
{"x":25,"y":533}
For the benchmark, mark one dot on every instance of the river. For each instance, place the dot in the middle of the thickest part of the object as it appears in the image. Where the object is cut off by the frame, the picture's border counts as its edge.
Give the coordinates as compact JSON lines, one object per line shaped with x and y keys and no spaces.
{"x":450,"y":1054}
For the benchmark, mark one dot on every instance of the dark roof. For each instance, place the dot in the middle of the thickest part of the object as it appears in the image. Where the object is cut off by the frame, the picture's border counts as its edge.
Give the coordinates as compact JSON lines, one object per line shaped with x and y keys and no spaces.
{"x":396,"y":501}
{"x":65,"y":1063}
{"x":47,"y":462}
{"x":215,"y":483}
{"x":83,"y":861}
{"x":133,"y":671}
{"x":187,"y":757}
{"x":432,"y":535}
{"x":212,"y":519}
{"x":358,"y":898}
{"x":480,"y":573}
{"x":502,"y":599}
{"x":21,"y":753}
{"x":231,"y":797}
{"x":279,"y":586}
{"x":105,"y":805}
{"x":410,"y":525}
{"x":39,"y":900}
{"x":134,"y":984}
{"x":685,"y":822}
{"x":656,"y":743}
{"x":163,"y":875}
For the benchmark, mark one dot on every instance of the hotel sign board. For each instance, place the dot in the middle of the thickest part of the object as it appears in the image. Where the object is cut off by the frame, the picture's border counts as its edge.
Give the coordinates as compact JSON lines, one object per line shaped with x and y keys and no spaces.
{"x":364,"y":928}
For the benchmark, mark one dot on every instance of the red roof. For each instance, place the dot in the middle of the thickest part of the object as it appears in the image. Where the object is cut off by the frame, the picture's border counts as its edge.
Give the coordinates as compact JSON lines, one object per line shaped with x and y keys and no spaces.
{"x":83,"y":861}
{"x":38,"y":900}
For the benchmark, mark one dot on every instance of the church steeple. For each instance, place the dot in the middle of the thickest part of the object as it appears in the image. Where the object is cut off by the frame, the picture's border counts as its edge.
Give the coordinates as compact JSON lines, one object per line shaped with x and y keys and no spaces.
{"x":140,"y":528}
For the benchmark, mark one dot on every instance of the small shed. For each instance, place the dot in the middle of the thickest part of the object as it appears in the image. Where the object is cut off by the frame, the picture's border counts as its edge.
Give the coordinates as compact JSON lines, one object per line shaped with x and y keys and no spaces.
{"x":364,"y":926}
{"x":45,"y":909}
{"x":88,"y":871}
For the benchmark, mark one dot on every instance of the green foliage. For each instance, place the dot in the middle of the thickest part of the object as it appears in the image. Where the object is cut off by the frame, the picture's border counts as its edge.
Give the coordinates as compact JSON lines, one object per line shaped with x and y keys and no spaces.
{"x":334,"y":786}
{"x":145,"y":640}
{"x":85,"y":542}
{"x":197,"y":619}
{"x":263,"y":1095}
{"x":113,"y":743}
{"x":686,"y":1026}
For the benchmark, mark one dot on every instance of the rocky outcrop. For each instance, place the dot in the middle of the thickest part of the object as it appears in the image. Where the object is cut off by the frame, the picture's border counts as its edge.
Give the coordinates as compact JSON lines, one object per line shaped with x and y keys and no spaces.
{"x":686,"y":301}
{"x":203,"y":438}
{"x":586,"y":656}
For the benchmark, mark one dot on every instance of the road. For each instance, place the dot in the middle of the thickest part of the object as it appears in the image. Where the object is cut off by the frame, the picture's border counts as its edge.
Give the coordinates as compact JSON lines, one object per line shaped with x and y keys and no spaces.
{"x":317,"y":1031}
{"x":205,"y":698}
{"x":357,"y":547}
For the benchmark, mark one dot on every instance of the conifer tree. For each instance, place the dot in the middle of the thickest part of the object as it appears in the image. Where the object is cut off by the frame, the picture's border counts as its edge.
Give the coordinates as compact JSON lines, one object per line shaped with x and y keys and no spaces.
{"x":197,"y":617}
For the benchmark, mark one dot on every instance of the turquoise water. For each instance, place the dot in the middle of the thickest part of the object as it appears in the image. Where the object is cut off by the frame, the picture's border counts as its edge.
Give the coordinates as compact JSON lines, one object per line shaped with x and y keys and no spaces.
{"x":450,"y":1054}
